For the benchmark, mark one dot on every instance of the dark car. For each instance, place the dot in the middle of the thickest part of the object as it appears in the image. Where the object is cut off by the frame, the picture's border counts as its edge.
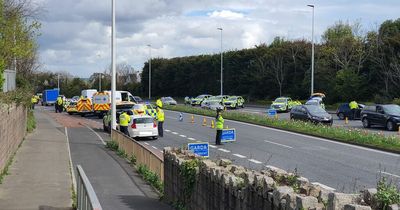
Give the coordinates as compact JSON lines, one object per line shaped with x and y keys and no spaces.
{"x":344,"y":111}
{"x":119,"y":108}
{"x":386,"y":115}
{"x":311,"y":113}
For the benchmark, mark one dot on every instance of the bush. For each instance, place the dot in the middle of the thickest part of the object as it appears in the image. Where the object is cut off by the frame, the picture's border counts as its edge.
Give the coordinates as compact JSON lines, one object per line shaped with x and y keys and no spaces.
{"x":31,"y":122}
{"x":113,"y":145}
{"x":151,"y":177}
{"x":387,"y":194}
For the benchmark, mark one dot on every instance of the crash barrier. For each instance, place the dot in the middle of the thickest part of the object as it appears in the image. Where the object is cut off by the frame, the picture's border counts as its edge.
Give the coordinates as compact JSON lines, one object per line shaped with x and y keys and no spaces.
{"x":86,"y":196}
{"x":143,"y":155}
{"x":200,"y":183}
{"x":12,"y":130}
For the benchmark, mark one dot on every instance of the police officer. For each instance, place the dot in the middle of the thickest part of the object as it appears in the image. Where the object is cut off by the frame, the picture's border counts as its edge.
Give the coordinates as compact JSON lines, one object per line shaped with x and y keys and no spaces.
{"x":33,"y":101}
{"x":59,"y":104}
{"x":219,"y":125}
{"x":160,"y":119}
{"x":353,"y":107}
{"x":124,"y":120}
{"x":159,"y":103}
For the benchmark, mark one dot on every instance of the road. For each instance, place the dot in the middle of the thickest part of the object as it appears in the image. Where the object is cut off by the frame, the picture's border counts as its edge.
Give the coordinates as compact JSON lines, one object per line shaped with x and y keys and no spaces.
{"x":344,"y":167}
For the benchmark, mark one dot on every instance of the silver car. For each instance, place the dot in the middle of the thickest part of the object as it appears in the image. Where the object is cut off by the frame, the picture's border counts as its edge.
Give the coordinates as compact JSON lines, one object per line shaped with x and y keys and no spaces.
{"x":143,"y":126}
{"x":168,"y":100}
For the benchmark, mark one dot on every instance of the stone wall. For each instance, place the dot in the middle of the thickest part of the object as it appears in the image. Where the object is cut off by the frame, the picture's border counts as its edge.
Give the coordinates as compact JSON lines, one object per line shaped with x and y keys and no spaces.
{"x":219,"y":185}
{"x":12,"y":130}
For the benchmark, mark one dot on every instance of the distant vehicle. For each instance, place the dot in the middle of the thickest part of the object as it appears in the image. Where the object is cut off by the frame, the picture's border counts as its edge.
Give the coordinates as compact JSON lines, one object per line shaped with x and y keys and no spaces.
{"x":128,"y":107}
{"x":88,"y":93}
{"x":344,"y":111}
{"x":282,"y":104}
{"x":316,"y":101}
{"x":101,"y":103}
{"x":197,"y":101}
{"x":84,"y":106}
{"x":213,"y":105}
{"x":188,"y":100}
{"x":386,"y":115}
{"x":168,"y":100}
{"x":137,"y":99}
{"x":75,"y":98}
{"x":71,"y":108}
{"x":123,"y":96}
{"x":142,"y":126}
{"x":234,"y":102}
{"x":311,"y":113}
{"x":50,"y":97}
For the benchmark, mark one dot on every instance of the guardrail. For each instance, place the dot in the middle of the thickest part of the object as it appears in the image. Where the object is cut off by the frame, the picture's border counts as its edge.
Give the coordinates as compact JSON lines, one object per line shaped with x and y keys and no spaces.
{"x":143,"y":154}
{"x":86,"y":197}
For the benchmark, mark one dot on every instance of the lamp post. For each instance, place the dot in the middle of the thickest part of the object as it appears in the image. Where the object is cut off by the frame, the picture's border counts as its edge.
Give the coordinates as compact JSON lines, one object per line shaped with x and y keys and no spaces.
{"x":113,"y":74}
{"x":312,"y":50}
{"x":222,"y":64}
{"x":149,"y":71}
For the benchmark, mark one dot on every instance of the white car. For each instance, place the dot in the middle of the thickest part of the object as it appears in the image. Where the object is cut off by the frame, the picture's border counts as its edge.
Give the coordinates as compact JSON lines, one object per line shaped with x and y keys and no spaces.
{"x":168,"y":100}
{"x":143,"y":126}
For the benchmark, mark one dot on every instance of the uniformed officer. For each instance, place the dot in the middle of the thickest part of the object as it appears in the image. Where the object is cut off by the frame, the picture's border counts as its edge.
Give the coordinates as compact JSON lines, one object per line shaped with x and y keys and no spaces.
{"x":160,"y":119}
{"x":219,"y":125}
{"x":124,"y":120}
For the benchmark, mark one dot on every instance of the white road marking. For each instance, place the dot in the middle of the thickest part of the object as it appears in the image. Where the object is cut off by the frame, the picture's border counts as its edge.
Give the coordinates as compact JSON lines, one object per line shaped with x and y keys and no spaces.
{"x":282,"y":145}
{"x":224,"y":150}
{"x":255,"y":161}
{"x":101,"y":138}
{"x":154,"y":147}
{"x":166,"y":130}
{"x":239,"y":155}
{"x":394,"y":175}
{"x":146,"y":143}
{"x":324,"y":186}
{"x":192,"y":139}
{"x":183,"y":136}
{"x":212,"y":146}
{"x":71,"y":167}
{"x":175,"y":133}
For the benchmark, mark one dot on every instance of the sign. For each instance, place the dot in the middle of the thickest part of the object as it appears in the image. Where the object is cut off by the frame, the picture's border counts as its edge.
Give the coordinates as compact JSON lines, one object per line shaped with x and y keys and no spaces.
{"x":228,"y":135}
{"x":271,"y":112}
{"x":200,"y":149}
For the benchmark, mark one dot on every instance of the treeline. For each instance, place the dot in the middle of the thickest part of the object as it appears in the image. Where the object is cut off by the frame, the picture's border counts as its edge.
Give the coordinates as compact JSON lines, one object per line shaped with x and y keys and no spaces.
{"x":349,"y":64}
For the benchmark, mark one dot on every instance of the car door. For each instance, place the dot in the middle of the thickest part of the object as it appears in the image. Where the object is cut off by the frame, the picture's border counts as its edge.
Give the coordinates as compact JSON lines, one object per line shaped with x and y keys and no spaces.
{"x":289,"y":103}
{"x":303,"y":114}
{"x":380,"y":116}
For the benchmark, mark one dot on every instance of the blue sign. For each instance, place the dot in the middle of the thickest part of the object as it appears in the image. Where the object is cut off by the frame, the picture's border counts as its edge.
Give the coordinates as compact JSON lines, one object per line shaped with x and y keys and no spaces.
{"x":228,"y":135}
{"x":200,"y":149}
{"x":271,"y":112}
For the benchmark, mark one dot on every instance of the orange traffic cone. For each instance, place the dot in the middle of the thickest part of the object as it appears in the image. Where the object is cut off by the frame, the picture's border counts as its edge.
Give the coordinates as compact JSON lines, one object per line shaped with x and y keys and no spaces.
{"x":192,"y":119}
{"x":346,"y":120}
{"x":212,"y":124}
{"x":204,"y":121}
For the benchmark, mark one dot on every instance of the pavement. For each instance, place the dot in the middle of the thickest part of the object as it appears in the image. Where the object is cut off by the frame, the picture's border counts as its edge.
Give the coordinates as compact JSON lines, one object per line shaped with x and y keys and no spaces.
{"x":39,"y":177}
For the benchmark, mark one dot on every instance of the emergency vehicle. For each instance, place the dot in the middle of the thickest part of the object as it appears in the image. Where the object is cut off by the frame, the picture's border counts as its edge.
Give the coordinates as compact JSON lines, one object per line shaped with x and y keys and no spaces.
{"x":101,"y":103}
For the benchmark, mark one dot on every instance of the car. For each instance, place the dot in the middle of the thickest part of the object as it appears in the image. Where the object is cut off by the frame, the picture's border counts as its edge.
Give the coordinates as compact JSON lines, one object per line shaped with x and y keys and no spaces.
{"x":144,"y":109}
{"x":282,"y":104}
{"x":128,"y":107}
{"x":142,"y":126}
{"x":197,"y":101}
{"x":168,"y":100}
{"x":386,"y":115}
{"x":311,"y":113}
{"x":137,"y":99}
{"x":344,"y":111}
{"x":214,"y":105}
{"x":75,"y":98}
{"x":71,"y":107}
{"x":234,"y":102}
{"x":316,"y":101}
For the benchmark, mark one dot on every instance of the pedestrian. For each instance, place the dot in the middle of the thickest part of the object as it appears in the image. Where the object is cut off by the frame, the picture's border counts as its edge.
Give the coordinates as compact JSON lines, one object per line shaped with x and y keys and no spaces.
{"x":219,"y":125}
{"x":124,"y":120}
{"x":33,"y":101}
{"x":159,"y":103}
{"x":59,"y":104}
{"x":353,"y":107}
{"x":160,"y":118}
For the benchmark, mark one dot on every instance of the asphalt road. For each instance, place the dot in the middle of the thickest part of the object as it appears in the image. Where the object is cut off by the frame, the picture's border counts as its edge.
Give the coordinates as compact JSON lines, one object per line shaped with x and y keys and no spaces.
{"x":346,"y":168}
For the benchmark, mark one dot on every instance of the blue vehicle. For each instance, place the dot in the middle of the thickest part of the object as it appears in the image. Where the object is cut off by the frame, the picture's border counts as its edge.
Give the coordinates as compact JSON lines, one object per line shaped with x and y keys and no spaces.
{"x":50,"y":97}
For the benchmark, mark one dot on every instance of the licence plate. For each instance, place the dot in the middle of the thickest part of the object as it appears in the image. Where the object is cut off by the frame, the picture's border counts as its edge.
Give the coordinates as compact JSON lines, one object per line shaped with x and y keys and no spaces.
{"x":145,"y":133}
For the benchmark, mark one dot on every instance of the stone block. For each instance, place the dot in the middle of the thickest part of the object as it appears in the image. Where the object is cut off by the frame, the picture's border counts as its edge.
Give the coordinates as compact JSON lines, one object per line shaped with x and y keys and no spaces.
{"x":224,"y":162}
{"x":281,"y":192}
{"x":306,"y":202}
{"x":394,"y":207}
{"x":291,"y":201}
{"x":269,"y":183}
{"x":339,"y":200}
{"x":369,"y":195}
{"x":314,"y":191}
{"x":356,"y":207}
{"x":275,"y":171}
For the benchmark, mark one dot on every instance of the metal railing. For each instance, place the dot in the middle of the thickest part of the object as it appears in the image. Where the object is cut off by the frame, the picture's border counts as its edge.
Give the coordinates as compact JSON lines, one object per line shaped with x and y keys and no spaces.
{"x":86,"y":197}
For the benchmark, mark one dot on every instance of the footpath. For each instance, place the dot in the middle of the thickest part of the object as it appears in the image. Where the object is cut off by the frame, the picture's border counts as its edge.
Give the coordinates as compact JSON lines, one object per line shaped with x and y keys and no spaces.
{"x":39,"y":177}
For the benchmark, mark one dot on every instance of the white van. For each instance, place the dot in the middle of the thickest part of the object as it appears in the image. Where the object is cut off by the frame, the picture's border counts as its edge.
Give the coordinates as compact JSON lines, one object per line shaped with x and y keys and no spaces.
{"x":122,"y":96}
{"x":88,"y":93}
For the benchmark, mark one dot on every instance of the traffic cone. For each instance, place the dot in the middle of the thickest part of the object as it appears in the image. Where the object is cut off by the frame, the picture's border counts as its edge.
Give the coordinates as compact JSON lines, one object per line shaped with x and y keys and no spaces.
{"x":212,"y":124}
{"x":276,"y":116}
{"x":192,"y":119}
{"x":180,"y":117}
{"x":346,"y":120}
{"x":204,"y":121}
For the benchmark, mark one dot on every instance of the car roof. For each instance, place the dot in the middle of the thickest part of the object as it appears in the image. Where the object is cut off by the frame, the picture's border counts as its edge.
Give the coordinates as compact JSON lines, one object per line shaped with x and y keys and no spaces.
{"x":141,"y":116}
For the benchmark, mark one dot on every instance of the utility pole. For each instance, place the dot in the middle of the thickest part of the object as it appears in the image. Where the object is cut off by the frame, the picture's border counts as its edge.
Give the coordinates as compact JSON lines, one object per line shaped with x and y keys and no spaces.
{"x":113,"y":74}
{"x":312,"y":50}
{"x":149,"y":71}
{"x":58,"y":82}
{"x":100,"y":75}
{"x":222,"y":64}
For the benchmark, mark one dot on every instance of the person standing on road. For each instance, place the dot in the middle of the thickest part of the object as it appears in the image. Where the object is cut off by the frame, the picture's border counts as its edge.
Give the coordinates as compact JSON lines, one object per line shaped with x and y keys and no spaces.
{"x":353,"y":107}
{"x":59,"y":104}
{"x":33,"y":101}
{"x":219,"y":125}
{"x":160,"y":118}
{"x":124,"y":120}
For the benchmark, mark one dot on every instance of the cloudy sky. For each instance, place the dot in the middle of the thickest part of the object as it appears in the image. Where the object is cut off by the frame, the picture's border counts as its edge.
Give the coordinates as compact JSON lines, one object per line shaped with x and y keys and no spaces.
{"x":76,"y":33}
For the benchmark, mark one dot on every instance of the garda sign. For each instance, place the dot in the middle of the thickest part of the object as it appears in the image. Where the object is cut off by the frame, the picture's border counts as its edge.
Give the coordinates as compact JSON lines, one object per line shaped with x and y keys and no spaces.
{"x":271,"y":112}
{"x":200,"y":149}
{"x":228,"y":135}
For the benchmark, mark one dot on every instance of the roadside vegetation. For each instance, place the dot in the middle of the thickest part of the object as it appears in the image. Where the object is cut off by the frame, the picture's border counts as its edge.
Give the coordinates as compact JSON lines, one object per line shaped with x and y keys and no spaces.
{"x":348,"y":135}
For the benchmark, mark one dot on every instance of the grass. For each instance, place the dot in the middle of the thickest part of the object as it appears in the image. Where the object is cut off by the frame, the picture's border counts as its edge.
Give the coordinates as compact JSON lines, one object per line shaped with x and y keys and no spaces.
{"x":152,"y":178}
{"x":31,"y":122}
{"x":349,"y":135}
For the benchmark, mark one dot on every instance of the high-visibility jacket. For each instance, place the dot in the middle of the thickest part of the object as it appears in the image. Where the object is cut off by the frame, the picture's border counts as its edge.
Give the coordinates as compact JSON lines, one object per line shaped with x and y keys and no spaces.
{"x":33,"y":100}
{"x":59,"y":101}
{"x":160,"y":115}
{"x":159,"y":103}
{"x":353,"y":105}
{"x":219,"y":125}
{"x":124,"y":119}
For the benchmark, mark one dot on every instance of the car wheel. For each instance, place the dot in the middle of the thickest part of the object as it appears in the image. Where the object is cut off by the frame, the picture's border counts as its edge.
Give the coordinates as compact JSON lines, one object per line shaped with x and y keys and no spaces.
{"x":341,"y":116}
{"x":100,"y":116}
{"x":390,"y":125}
{"x":70,"y":113}
{"x":82,"y":114}
{"x":155,"y":137}
{"x":365,"y":122}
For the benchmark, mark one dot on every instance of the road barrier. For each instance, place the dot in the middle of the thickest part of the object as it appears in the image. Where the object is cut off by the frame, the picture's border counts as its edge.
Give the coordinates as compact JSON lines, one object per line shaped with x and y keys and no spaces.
{"x":86,"y":196}
{"x":144,"y":155}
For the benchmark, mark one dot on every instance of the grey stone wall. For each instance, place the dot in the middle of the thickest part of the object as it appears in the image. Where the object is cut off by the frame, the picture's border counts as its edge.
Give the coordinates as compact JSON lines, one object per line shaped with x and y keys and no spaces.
{"x":12,"y":130}
{"x":219,"y":185}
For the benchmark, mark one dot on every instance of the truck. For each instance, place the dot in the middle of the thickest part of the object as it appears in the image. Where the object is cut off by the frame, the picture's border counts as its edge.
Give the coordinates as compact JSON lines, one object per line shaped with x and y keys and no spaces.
{"x":50,"y":97}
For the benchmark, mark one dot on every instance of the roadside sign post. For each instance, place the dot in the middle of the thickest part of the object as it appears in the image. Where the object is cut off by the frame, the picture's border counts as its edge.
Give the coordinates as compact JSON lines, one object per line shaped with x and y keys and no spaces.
{"x":228,"y":135}
{"x":272,"y":112}
{"x":200,"y":149}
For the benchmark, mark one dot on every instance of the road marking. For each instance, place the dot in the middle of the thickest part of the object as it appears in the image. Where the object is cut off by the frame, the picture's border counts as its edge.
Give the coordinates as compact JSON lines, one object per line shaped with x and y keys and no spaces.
{"x":394,"y":175}
{"x":252,"y":112}
{"x":71,"y":167}
{"x":192,"y":139}
{"x":146,"y":143}
{"x":239,"y":155}
{"x":324,"y":186}
{"x":212,"y":146}
{"x":166,"y":130}
{"x":154,"y":147}
{"x":224,"y":150}
{"x":101,"y":138}
{"x":282,"y":145}
{"x":175,"y":133}
{"x":255,"y":161}
{"x":183,"y":136}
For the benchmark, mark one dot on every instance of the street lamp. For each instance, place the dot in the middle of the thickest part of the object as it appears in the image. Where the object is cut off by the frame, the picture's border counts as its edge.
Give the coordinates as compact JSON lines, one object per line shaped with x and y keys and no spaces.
{"x":113,"y":74}
{"x":149,"y":70}
{"x":312,"y":50}
{"x":100,"y":75}
{"x":222,"y":64}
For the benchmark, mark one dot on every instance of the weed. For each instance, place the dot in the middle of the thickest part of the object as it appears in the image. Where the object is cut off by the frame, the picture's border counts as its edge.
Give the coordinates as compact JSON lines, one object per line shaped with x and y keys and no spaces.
{"x":113,"y":145}
{"x":30,"y":122}
{"x":122,"y":153}
{"x":387,"y":194}
{"x":132,"y":159}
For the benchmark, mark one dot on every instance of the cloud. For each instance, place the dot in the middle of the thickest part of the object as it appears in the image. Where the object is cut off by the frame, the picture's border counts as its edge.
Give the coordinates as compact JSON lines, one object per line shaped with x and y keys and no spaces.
{"x":226,"y":14}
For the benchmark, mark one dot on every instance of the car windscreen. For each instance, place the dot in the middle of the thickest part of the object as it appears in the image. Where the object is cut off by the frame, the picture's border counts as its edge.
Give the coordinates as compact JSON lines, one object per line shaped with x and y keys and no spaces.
{"x":280,"y":100}
{"x":392,"y":109}
{"x":137,"y":98}
{"x":316,"y":110}
{"x":143,"y":120}
{"x":232,"y":98}
{"x":138,"y":106}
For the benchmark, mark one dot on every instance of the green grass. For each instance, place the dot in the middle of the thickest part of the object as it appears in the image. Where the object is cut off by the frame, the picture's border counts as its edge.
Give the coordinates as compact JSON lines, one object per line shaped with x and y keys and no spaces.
{"x":348,"y":135}
{"x":31,"y":122}
{"x":152,"y":178}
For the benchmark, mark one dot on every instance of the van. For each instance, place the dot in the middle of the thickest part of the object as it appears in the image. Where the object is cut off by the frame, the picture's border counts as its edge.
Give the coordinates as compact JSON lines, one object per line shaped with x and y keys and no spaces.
{"x":88,"y":93}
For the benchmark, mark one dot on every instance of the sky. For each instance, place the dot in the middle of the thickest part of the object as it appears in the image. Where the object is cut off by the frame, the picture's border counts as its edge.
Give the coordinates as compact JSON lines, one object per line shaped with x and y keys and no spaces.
{"x":76,"y":34}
